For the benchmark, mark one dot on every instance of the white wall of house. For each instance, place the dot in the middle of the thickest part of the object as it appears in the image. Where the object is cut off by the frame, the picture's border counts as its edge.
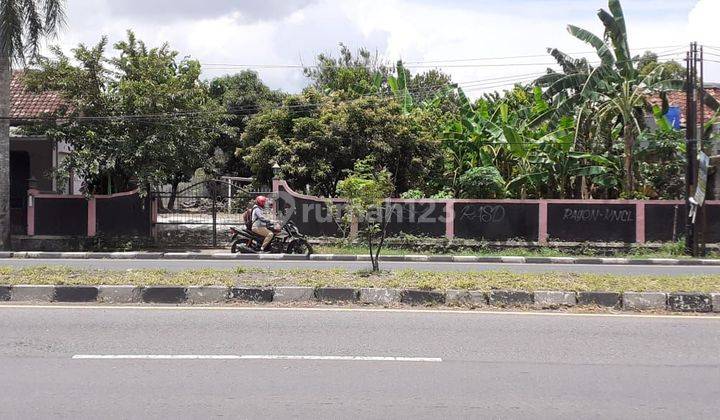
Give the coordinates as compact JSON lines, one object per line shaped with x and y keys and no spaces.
{"x":73,"y":184}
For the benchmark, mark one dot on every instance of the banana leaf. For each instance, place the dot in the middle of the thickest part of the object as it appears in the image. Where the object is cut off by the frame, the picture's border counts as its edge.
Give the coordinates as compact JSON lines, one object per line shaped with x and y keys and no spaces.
{"x":606,"y":56}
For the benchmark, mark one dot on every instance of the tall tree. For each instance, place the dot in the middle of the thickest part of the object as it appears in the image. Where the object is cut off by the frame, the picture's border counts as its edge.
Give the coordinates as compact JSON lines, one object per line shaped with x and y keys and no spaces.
{"x":316,"y":139}
{"x":350,"y":75}
{"x":243,"y":94}
{"x":143,"y":115}
{"x":23,"y":25}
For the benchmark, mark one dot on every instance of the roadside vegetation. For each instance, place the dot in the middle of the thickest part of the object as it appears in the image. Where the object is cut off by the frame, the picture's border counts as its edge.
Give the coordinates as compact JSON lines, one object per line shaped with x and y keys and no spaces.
{"x":584,"y":128}
{"x":484,"y":281}
{"x":142,"y":116}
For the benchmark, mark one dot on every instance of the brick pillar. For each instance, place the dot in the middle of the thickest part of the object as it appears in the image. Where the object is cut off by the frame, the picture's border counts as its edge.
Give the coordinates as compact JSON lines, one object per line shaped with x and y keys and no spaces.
{"x":542,"y":223}
{"x":92,"y":217}
{"x":640,"y":222}
{"x":450,"y":220}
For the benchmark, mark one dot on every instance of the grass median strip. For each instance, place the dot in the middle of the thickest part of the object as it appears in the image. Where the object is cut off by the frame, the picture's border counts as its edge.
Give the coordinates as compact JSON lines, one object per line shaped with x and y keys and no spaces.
{"x":405,"y":279}
{"x":674,"y":250}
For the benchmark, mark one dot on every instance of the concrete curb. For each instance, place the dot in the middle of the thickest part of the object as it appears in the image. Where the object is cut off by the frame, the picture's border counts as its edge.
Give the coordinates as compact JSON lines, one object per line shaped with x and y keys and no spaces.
{"x":421,"y":297}
{"x":120,"y":294}
{"x":380,"y":296}
{"x":553,"y":299}
{"x":129,"y":294}
{"x":252,"y":294}
{"x":294,"y":294}
{"x":32,"y":293}
{"x":207,"y":294}
{"x":643,"y":301}
{"x":5,"y":293}
{"x":505,"y":298}
{"x":604,"y":299}
{"x":76,"y":294}
{"x":690,"y":302}
{"x":715,"y":298}
{"x":336,"y":294}
{"x":342,"y":257}
{"x":164,"y":294}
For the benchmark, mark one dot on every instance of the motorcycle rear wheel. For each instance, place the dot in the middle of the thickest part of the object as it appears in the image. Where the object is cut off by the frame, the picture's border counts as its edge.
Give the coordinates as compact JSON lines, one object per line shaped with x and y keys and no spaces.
{"x":240,"y":247}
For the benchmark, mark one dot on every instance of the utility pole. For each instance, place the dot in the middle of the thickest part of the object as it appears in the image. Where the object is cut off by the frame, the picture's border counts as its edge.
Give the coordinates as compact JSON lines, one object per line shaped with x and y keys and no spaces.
{"x":695,"y":188}
{"x":701,"y":239}
{"x":690,"y":145}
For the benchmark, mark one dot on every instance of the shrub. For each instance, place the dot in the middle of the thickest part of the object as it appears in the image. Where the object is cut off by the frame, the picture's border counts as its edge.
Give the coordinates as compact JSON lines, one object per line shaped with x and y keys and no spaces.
{"x":482,"y":182}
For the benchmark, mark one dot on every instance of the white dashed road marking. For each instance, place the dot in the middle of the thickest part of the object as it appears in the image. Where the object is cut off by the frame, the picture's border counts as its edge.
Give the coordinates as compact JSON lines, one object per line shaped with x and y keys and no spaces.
{"x":255,"y":357}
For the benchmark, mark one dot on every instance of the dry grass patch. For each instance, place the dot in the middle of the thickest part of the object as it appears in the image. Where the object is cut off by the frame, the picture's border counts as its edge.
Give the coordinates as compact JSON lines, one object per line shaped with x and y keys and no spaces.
{"x":486,"y":280}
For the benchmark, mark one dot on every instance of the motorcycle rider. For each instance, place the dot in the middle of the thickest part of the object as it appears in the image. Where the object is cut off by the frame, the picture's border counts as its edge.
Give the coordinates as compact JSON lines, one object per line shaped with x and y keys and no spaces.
{"x":260,"y":223}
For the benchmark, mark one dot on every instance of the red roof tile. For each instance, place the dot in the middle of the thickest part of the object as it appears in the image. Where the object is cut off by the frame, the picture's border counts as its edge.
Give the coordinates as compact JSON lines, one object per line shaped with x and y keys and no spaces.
{"x":679,"y":99}
{"x":28,"y":105}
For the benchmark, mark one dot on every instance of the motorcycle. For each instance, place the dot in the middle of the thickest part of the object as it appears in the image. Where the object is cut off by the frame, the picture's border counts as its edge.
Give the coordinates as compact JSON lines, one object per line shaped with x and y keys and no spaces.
{"x":287,"y":240}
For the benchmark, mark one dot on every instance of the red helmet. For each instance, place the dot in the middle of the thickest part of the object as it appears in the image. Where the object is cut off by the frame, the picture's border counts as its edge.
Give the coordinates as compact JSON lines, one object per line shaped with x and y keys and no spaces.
{"x":260,"y":200}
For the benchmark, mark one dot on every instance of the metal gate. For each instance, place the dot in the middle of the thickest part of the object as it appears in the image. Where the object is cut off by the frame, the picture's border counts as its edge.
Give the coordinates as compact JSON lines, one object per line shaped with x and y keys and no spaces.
{"x":213,"y":204}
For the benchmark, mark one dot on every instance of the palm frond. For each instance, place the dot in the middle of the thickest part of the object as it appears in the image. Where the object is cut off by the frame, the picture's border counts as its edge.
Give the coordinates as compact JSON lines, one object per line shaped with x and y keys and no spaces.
{"x":11,"y":28}
{"x":54,"y":16}
{"x":33,"y":27}
{"x":23,"y":23}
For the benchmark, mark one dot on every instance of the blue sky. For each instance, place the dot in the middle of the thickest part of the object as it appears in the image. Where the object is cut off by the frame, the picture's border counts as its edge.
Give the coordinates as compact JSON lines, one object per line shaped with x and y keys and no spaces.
{"x":230,"y":34}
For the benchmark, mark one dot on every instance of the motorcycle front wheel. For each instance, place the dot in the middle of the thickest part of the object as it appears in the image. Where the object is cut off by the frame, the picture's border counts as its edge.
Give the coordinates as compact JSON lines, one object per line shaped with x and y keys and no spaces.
{"x":300,"y":247}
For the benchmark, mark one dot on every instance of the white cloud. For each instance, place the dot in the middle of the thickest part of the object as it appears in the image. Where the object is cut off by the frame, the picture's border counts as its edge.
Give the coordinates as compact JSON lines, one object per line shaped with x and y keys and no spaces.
{"x":415,"y":30}
{"x":702,"y":27}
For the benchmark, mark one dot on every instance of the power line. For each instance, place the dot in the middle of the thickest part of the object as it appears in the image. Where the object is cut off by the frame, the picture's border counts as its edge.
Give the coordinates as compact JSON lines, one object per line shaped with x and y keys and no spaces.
{"x":427,"y":63}
{"x":211,"y":66}
{"x":533,"y":56}
{"x":481,"y":84}
{"x":234,"y":111}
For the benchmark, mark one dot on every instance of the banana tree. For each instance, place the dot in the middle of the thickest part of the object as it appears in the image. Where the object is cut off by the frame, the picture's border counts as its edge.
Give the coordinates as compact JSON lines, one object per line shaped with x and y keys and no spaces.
{"x":612,"y":92}
{"x":555,"y":166}
{"x":399,"y":87}
{"x":467,"y":140}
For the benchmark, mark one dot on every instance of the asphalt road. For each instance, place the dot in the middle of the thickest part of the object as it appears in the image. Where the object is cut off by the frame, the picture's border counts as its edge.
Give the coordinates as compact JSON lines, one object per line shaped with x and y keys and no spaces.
{"x":497,"y":365}
{"x":176,"y":265}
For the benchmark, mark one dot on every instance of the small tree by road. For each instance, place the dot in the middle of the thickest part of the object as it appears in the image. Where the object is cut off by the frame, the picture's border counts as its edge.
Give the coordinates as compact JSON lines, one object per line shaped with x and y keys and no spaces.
{"x":366,"y":190}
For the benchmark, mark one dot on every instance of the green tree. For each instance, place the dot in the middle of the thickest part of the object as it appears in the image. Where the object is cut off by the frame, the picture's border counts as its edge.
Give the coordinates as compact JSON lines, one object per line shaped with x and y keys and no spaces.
{"x":366,"y":189}
{"x":243,"y":95}
{"x":316,"y":138}
{"x":23,"y":25}
{"x":142,"y":116}
{"x":648,"y":62}
{"x":349,"y":75}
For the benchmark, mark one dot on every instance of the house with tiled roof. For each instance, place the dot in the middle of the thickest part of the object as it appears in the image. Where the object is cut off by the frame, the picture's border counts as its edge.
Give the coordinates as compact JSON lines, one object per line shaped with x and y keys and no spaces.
{"x":34,"y":157}
{"x":27,"y":105}
{"x":678,"y":100}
